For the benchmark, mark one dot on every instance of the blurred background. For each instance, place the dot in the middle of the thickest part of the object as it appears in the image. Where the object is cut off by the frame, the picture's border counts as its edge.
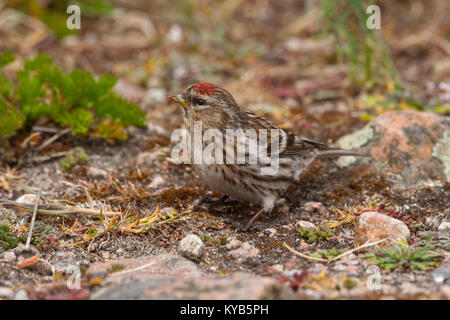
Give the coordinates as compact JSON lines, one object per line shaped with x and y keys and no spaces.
{"x":311,"y":65}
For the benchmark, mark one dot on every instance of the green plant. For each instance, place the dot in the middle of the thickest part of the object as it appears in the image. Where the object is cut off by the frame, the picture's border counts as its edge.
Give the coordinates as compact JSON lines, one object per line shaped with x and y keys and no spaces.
{"x":357,"y":45}
{"x":76,"y":100}
{"x":7,"y":239}
{"x":75,"y":156}
{"x":328,"y":254}
{"x":323,"y":232}
{"x":219,"y":241}
{"x":405,"y":257}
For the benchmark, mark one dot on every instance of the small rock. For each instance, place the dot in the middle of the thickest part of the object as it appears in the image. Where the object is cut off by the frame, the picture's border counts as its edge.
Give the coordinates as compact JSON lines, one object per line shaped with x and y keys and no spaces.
{"x":191,"y":247}
{"x":27,"y":198}
{"x":373,"y":226}
{"x":233,"y":244}
{"x":21,"y":250}
{"x":175,"y":34}
{"x":275,"y":268}
{"x":156,"y":182}
{"x":270,"y":232}
{"x":305,"y":225}
{"x":444,"y":226}
{"x":105,"y":255}
{"x":9,"y":255}
{"x":245,"y":254}
{"x":441,"y":274}
{"x":313,"y":206}
{"x":6,"y":293}
{"x":21,"y":295}
{"x":96,"y":173}
{"x":213,"y":268}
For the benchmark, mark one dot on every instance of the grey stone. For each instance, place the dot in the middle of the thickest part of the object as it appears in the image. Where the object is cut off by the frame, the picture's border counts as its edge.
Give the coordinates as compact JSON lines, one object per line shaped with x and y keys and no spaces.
{"x":191,"y":247}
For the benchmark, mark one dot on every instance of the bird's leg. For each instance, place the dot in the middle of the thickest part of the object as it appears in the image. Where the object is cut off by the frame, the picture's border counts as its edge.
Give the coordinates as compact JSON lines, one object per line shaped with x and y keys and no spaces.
{"x":208,"y":201}
{"x":254,"y":218}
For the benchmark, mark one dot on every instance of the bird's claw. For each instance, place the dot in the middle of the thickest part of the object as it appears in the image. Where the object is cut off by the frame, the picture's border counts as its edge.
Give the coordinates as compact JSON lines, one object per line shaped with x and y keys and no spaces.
{"x":249,"y":227}
{"x":209,"y":203}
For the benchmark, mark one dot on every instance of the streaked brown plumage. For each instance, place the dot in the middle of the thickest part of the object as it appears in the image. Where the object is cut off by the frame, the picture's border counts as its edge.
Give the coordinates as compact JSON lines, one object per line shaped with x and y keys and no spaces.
{"x":216,"y":109}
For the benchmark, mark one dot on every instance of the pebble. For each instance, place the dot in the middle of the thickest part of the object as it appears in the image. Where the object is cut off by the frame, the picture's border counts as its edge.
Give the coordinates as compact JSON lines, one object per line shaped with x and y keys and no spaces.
{"x":245,"y":254}
{"x":233,"y":244}
{"x":22,"y":250}
{"x":105,"y":255}
{"x":191,"y":247}
{"x":21,"y":295}
{"x":6,"y":293}
{"x":313,"y":206}
{"x":27,"y":198}
{"x":444,"y":226}
{"x":440,"y":274}
{"x":275,"y":268}
{"x":305,"y":225}
{"x":270,"y":232}
{"x":96,"y":173}
{"x":373,"y":226}
{"x":156,"y":182}
{"x":9,"y":255}
{"x":175,"y":34}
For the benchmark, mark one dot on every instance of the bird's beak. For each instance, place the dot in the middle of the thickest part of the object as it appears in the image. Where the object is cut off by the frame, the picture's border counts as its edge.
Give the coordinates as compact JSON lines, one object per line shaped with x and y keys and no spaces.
{"x":178,"y":98}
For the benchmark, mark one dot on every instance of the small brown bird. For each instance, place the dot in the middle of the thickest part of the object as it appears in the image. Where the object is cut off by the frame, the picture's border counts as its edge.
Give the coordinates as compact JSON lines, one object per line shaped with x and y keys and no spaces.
{"x":216,"y":109}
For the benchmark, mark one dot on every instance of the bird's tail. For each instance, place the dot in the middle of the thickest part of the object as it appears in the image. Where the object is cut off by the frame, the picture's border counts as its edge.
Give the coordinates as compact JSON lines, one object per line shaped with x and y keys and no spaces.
{"x":339,"y":152}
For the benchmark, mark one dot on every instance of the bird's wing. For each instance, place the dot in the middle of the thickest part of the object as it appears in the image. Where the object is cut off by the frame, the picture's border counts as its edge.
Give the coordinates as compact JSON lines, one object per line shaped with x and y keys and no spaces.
{"x":285,"y":144}
{"x":300,"y":146}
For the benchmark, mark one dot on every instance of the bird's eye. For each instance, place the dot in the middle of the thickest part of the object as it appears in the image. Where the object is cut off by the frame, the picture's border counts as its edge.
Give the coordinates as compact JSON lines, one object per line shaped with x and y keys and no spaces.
{"x":200,"y":102}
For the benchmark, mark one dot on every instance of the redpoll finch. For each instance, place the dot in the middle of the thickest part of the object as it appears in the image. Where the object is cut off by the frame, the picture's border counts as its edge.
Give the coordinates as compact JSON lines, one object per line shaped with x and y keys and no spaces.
{"x":268,"y":166}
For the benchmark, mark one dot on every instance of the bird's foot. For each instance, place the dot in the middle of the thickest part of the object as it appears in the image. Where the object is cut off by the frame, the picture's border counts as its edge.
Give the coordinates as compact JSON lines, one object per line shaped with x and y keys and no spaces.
{"x":209,"y":202}
{"x":249,"y":225}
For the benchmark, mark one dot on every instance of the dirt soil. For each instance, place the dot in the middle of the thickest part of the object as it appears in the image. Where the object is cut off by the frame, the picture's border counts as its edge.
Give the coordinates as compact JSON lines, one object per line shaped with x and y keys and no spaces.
{"x":132,"y":165}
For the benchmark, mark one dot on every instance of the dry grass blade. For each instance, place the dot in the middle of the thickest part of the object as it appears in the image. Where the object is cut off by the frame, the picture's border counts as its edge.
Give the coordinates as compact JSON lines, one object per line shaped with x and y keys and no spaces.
{"x":346,"y":253}
{"x":33,"y":218}
{"x":119,"y":273}
{"x":58,"y":209}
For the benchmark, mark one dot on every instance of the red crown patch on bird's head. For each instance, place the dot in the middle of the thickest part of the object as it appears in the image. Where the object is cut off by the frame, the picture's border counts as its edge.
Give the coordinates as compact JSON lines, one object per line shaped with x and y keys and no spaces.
{"x":204,"y":88}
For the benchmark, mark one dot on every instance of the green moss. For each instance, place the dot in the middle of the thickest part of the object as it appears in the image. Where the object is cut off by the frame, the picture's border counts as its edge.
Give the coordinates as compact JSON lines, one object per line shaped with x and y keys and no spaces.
{"x":7,"y":239}
{"x":219,"y":241}
{"x":328,"y":254}
{"x":322,"y":232}
{"x":116,"y":268}
{"x":75,"y":156}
